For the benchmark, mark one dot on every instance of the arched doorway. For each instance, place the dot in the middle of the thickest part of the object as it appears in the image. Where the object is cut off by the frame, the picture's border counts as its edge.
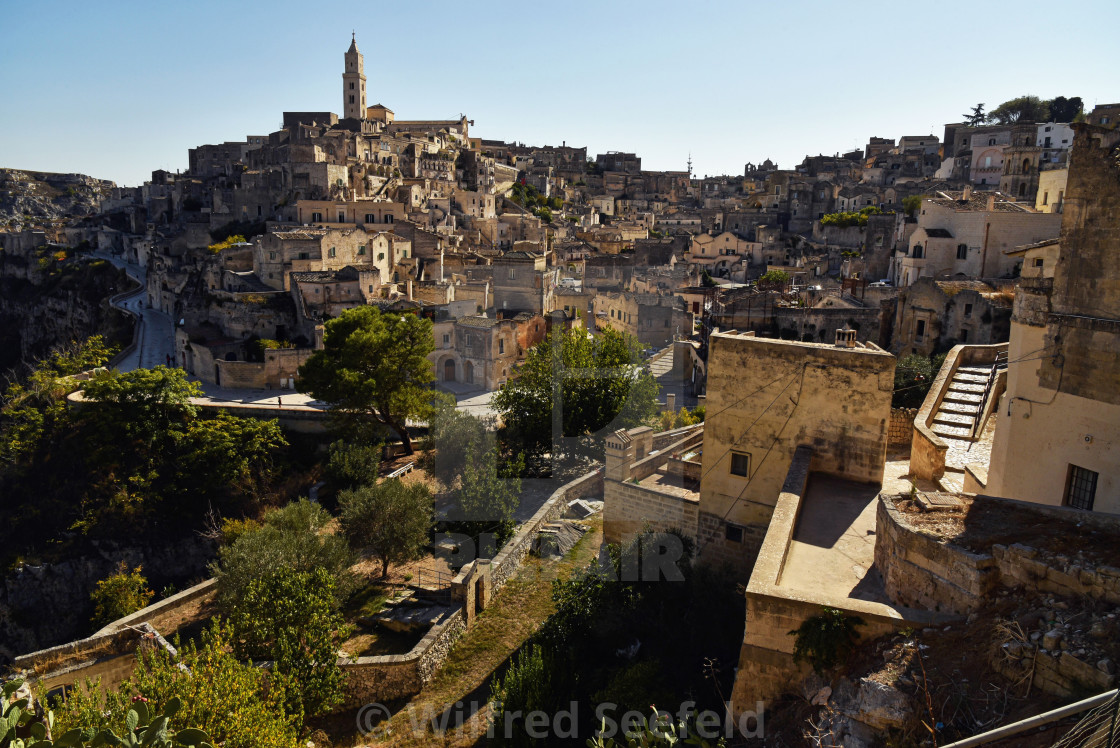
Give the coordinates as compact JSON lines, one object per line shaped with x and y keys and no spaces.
{"x":449,"y":370}
{"x":468,"y":372}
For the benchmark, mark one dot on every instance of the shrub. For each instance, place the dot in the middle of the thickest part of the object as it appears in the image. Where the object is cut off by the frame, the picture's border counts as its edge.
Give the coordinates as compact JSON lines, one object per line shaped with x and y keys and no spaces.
{"x":290,"y":537}
{"x":119,"y":595}
{"x":826,"y":639}
{"x":233,"y":701}
{"x":291,"y":618}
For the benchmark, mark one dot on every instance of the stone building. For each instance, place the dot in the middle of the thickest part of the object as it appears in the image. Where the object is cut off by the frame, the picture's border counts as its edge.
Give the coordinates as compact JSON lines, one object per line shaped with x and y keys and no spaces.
{"x":765,"y":400}
{"x":966,"y":233}
{"x":279,"y":253}
{"x":1055,"y":440}
{"x":523,"y":282}
{"x":652,"y":319}
{"x":934,"y":315}
{"x":483,"y":351}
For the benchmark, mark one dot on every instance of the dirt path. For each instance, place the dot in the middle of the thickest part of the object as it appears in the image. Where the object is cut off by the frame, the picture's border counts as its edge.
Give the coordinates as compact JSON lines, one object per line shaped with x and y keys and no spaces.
{"x":517,"y":611}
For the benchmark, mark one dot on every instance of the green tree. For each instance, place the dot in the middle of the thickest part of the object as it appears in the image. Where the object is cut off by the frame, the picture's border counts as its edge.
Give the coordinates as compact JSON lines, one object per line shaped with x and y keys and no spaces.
{"x":391,"y":520}
{"x":292,"y":537}
{"x":977,"y":117}
{"x":142,"y":404}
{"x":352,"y":465}
{"x":233,"y":701}
{"x":1020,"y":109}
{"x":291,"y":618}
{"x":589,"y":383}
{"x":119,"y":594}
{"x":912,"y":204}
{"x":1065,"y":110}
{"x":373,"y":369}
{"x":451,"y":431}
{"x":490,"y":489}
{"x":774,"y":280}
{"x":913,"y":377}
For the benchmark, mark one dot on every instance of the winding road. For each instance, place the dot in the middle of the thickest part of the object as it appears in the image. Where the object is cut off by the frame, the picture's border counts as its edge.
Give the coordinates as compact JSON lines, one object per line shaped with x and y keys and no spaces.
{"x":156,"y":336}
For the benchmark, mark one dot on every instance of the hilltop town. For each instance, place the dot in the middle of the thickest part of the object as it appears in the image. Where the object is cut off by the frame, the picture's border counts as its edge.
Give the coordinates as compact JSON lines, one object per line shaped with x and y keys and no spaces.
{"x":883,"y":396}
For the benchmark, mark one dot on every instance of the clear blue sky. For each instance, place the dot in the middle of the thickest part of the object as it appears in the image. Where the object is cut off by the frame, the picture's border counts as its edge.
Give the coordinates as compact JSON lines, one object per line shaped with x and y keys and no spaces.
{"x":117,"y":89}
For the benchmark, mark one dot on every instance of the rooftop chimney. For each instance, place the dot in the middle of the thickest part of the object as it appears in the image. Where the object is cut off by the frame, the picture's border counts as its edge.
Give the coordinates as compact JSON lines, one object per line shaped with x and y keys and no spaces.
{"x":991,"y":202}
{"x":967,"y":195}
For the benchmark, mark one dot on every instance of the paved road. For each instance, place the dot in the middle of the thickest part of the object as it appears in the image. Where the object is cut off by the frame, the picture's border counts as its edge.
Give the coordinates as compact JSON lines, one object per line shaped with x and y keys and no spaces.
{"x":156,"y":344}
{"x":156,"y":347}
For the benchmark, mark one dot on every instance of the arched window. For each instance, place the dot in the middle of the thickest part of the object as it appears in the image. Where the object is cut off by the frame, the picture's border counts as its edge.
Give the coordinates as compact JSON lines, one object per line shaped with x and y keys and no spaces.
{"x":1026,"y":165}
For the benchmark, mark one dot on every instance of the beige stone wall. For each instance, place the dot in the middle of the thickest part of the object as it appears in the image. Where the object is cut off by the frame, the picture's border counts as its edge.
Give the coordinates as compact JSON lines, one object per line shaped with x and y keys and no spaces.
{"x":767,"y":397}
{"x":919,"y":571}
{"x":630,"y":509}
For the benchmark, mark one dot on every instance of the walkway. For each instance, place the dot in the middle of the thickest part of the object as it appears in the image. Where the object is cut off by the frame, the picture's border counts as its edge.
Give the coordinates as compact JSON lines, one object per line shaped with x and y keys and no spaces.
{"x":156,"y":332}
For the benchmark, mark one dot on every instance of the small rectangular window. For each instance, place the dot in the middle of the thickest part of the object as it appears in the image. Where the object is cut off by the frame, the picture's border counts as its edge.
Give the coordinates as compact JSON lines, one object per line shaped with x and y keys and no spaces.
{"x":740,"y":464}
{"x":968,"y":310}
{"x":962,"y":251}
{"x":1038,"y":262}
{"x":734,"y":533}
{"x":921,"y":331}
{"x":1081,"y":488}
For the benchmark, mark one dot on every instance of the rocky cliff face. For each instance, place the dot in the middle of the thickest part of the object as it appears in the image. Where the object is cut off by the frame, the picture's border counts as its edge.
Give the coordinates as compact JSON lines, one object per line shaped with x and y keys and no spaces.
{"x":47,"y":301}
{"x":40,"y":199}
{"x":48,"y":604}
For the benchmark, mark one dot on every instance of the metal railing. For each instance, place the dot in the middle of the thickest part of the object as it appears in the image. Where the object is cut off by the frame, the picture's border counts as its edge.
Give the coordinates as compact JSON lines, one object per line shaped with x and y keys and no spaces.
{"x":433,"y":582}
{"x":997,"y":366}
{"x":1099,"y":728}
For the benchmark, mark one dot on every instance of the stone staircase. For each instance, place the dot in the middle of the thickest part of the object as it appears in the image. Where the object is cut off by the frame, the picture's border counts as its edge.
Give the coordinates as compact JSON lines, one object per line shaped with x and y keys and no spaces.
{"x":956,"y":418}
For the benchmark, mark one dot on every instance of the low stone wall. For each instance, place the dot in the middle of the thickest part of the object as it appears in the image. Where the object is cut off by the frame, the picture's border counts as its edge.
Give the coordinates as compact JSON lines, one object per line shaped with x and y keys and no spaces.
{"x":514,"y":551}
{"x":1058,"y":673}
{"x":632,"y":508}
{"x":109,"y":657}
{"x":163,"y":614}
{"x":900,"y":432}
{"x":378,"y":679}
{"x":1023,"y":566}
{"x":919,"y":571}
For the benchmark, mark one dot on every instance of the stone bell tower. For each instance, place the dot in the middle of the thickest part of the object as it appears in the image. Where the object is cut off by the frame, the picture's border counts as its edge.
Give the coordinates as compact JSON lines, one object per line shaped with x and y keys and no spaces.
{"x":354,"y":83}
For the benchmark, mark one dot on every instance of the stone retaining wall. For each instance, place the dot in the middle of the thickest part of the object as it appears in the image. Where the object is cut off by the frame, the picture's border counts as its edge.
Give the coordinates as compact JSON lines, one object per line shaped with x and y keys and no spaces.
{"x":514,"y":551}
{"x":378,"y":679}
{"x":921,"y":571}
{"x":901,"y":429}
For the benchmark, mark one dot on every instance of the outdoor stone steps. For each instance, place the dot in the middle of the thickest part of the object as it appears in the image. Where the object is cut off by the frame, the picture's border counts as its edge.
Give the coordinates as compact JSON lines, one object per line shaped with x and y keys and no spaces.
{"x":978,"y":370}
{"x":954,"y":419}
{"x":945,"y":430}
{"x":966,"y":387}
{"x":970,"y":378}
{"x":966,"y":408}
{"x":973,"y":398}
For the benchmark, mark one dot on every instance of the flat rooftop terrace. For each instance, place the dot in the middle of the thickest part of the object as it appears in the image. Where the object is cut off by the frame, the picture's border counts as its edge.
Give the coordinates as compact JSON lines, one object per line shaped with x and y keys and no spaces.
{"x":832,"y":551}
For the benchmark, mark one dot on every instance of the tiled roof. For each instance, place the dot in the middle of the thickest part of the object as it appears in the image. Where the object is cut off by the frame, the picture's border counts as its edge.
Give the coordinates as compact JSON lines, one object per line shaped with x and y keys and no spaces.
{"x":484,"y":323}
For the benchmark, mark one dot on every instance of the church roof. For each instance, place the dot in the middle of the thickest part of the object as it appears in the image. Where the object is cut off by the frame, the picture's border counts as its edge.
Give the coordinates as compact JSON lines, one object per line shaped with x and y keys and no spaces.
{"x":353,"y":44}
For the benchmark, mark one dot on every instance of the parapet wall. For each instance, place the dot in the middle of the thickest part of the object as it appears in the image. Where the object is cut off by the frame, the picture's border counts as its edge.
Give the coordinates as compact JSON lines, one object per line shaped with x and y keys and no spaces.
{"x":921,"y":571}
